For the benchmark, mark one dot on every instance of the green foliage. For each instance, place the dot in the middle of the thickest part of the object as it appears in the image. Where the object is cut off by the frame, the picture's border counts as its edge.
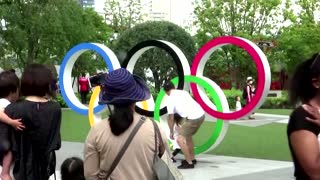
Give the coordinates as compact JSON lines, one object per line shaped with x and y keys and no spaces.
{"x":276,"y":103}
{"x":300,"y":39}
{"x":61,"y":101}
{"x":43,"y":31}
{"x":156,"y":61}
{"x":122,"y":15}
{"x":125,"y":14}
{"x":253,"y":20}
{"x":232,"y":95}
{"x":298,"y":43}
{"x":63,"y":104}
{"x":270,"y":102}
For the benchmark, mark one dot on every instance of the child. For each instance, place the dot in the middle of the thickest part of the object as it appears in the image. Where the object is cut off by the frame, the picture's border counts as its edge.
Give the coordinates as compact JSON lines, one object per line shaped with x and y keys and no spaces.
{"x":9,"y":85}
{"x":177,"y":125}
{"x":238,"y":103}
{"x":72,"y":169}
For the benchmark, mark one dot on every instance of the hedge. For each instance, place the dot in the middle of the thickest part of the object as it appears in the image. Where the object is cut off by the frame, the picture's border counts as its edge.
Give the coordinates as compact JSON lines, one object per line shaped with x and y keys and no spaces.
{"x":270,"y":102}
{"x":63,"y":104}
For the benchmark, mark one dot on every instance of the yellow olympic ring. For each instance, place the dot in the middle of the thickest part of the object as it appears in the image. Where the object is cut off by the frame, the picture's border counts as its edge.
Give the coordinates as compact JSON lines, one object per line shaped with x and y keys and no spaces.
{"x":94,"y":96}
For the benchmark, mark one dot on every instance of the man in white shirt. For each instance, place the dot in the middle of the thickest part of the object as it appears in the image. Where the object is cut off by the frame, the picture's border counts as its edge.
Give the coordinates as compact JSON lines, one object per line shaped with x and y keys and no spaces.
{"x":182,"y":103}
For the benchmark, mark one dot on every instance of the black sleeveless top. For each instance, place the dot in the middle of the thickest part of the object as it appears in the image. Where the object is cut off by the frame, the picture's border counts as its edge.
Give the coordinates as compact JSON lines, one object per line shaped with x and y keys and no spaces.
{"x":297,"y":122}
{"x":33,"y":147}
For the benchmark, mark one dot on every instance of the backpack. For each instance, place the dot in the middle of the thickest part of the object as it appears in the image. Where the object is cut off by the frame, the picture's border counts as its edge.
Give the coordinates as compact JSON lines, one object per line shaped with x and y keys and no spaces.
{"x":244,"y":93}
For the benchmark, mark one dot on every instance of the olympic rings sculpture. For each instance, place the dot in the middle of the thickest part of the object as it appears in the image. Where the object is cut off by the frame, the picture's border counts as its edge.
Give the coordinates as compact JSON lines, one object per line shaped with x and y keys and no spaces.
{"x":219,"y":108}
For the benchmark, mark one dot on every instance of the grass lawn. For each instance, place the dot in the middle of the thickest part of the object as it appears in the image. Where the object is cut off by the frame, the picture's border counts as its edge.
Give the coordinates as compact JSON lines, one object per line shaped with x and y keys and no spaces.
{"x":275,"y":111}
{"x":74,"y":127}
{"x":264,"y":142}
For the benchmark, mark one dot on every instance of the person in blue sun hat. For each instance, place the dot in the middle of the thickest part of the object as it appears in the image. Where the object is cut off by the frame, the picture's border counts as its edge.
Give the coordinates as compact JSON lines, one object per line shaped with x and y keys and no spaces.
{"x":122,"y":90}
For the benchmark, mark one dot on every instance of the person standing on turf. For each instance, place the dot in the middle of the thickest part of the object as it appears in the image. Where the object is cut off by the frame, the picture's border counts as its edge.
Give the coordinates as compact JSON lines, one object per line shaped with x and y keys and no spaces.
{"x":84,"y":88}
{"x":249,"y":93}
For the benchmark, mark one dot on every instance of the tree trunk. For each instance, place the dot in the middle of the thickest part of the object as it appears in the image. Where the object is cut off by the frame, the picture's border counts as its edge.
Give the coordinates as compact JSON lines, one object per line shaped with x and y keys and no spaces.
{"x":31,"y":52}
{"x":156,"y":77}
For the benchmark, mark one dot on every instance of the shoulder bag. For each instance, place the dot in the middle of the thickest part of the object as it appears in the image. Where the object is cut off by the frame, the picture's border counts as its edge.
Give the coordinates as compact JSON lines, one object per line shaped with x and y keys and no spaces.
{"x":163,"y":168}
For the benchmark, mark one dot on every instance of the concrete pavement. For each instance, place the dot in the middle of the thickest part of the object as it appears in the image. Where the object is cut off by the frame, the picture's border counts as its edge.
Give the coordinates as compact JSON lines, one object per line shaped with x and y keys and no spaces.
{"x":209,"y":167}
{"x":212,"y":167}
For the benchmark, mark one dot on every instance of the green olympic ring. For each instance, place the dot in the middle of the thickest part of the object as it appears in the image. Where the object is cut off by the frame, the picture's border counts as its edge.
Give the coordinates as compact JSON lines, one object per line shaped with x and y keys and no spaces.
{"x":219,"y":124}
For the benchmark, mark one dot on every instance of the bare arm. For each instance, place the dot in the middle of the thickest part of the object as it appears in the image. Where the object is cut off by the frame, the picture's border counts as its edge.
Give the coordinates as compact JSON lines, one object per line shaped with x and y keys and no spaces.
{"x":248,"y":94}
{"x":171,"y":125}
{"x":170,"y":122}
{"x":15,"y":123}
{"x":306,"y":148}
{"x":4,"y":117}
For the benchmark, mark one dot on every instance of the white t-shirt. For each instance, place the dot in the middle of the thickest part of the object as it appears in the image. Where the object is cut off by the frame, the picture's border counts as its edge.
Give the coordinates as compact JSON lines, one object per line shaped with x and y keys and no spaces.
{"x":4,"y":103}
{"x":238,"y":105}
{"x":182,"y":103}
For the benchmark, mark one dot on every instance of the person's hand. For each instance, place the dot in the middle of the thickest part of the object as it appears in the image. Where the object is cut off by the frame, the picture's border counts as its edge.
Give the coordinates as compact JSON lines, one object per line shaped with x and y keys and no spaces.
{"x":171,"y":136}
{"x":17,"y":124}
{"x":315,"y":112}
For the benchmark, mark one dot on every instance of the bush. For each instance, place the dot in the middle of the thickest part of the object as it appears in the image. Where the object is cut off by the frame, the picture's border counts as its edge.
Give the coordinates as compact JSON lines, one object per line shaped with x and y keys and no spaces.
{"x":63,"y":104}
{"x":270,"y":102}
{"x":61,"y":101}
{"x":276,"y":103}
{"x":231,"y":96}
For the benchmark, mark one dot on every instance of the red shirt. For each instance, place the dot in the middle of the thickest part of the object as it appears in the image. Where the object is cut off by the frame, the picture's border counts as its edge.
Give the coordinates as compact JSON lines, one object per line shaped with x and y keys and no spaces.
{"x":84,"y":84}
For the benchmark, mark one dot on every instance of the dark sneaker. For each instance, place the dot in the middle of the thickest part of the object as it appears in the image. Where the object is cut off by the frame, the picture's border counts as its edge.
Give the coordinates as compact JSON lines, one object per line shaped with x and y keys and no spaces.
{"x":194,"y":162}
{"x":173,"y":160}
{"x":185,"y":165}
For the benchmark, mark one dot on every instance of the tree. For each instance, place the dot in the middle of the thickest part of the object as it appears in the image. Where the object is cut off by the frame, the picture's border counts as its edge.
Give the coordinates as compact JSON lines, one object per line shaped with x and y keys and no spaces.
{"x":98,"y":32}
{"x":301,"y":39}
{"x":43,"y":31}
{"x":251,"y":19}
{"x":157,"y":61}
{"x":122,"y":14}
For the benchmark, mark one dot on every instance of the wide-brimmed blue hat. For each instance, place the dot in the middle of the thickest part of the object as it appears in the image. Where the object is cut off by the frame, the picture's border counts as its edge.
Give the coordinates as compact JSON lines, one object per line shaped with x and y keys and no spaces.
{"x":121,"y":87}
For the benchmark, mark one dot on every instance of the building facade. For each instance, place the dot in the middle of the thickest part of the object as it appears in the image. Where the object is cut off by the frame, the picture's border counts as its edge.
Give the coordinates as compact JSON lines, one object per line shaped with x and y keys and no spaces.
{"x":87,"y":3}
{"x":156,"y":10}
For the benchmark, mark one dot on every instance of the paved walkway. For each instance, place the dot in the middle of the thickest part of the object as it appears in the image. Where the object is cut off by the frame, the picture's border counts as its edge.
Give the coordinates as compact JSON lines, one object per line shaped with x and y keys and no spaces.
{"x":209,"y":167}
{"x":262,"y":119}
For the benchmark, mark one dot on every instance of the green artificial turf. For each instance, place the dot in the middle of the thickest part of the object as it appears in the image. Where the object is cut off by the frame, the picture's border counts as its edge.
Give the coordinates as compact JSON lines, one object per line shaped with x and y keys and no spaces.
{"x":74,"y":127}
{"x":264,"y":142}
{"x":275,"y":111}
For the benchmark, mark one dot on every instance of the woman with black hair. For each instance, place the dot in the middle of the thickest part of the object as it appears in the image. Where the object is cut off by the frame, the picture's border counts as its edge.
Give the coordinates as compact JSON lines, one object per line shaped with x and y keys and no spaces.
{"x":107,"y":138}
{"x":302,"y":133}
{"x":34,"y":148}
